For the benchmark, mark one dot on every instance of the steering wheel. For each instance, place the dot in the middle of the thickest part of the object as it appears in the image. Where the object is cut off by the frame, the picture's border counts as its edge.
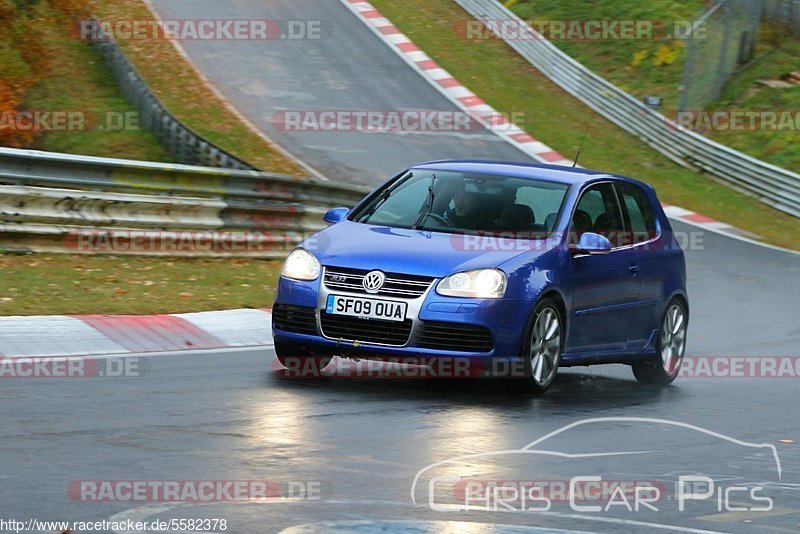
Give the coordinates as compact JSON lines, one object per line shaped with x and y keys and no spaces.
{"x":439,"y":219}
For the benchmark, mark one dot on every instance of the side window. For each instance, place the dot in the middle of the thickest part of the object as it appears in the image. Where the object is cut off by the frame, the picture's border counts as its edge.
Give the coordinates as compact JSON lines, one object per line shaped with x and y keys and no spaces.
{"x":598,"y":211}
{"x":640,"y":213}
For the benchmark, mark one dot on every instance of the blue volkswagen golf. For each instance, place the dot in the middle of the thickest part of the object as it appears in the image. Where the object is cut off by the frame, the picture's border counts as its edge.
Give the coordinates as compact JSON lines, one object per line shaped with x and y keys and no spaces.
{"x":504,"y":265}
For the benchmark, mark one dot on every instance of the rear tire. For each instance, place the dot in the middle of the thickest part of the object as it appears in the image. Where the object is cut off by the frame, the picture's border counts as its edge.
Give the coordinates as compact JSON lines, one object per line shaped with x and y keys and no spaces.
{"x":543,"y":347}
{"x":671,"y":345}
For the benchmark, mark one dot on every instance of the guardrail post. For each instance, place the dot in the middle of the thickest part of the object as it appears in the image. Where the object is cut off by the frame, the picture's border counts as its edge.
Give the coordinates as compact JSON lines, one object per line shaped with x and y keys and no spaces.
{"x":173,"y":135}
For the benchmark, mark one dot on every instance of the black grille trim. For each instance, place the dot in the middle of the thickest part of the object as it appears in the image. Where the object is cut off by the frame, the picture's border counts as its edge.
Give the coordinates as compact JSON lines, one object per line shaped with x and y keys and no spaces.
{"x":298,"y":319}
{"x":453,"y":336}
{"x":365,"y":330}
{"x":396,"y":284}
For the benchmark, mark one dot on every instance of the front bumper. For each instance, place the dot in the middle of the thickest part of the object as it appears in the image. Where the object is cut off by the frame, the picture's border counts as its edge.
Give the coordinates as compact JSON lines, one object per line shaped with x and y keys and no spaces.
{"x":505,"y":319}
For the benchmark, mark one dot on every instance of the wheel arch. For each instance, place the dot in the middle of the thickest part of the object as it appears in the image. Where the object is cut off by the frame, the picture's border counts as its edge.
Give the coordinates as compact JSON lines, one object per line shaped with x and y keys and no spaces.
{"x":681,"y":296}
{"x":556,"y":296}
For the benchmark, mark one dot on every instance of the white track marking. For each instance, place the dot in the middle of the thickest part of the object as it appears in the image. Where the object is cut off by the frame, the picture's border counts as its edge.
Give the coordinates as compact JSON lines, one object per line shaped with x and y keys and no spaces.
{"x":236,"y":328}
{"x":452,"y":94}
{"x":52,"y":336}
{"x":534,"y":149}
{"x":57,"y":335}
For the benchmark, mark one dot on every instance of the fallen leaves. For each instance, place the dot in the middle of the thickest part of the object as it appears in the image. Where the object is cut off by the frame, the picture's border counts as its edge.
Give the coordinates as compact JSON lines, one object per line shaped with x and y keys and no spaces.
{"x":70,"y":284}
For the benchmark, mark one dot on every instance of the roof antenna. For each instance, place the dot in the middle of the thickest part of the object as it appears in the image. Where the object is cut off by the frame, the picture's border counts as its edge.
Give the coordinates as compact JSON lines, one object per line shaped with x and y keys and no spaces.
{"x":580,"y":148}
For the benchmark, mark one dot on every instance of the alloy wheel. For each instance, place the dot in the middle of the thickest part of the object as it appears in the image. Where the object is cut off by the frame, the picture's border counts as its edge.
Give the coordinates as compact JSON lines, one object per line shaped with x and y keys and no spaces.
{"x":545,"y":347}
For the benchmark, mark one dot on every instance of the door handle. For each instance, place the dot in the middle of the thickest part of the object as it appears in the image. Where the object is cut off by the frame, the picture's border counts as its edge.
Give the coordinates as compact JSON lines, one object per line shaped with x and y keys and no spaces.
{"x":634,"y":269}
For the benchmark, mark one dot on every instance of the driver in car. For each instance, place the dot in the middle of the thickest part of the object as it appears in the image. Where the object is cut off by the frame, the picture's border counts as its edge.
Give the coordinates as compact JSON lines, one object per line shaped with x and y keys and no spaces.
{"x":465,"y":212}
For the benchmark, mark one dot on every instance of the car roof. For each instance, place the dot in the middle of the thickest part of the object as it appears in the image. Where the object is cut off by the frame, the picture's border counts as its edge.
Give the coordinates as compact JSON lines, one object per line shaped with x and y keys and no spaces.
{"x":553,"y":173}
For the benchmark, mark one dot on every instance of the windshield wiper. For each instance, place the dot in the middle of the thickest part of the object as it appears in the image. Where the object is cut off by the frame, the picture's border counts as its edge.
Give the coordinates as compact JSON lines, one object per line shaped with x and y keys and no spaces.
{"x":381,"y":199}
{"x":428,"y":204}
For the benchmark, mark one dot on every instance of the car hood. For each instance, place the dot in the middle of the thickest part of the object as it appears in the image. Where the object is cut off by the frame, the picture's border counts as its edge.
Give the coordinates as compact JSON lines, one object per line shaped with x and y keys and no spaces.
{"x":399,"y":250}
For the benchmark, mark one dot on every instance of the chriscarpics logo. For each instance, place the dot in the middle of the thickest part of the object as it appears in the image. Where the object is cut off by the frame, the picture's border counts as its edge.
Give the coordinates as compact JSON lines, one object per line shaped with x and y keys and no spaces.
{"x":626,"y":470}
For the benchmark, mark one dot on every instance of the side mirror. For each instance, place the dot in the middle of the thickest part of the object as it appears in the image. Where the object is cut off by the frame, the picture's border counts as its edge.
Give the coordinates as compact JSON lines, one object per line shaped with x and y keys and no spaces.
{"x":336,"y":215}
{"x":591,"y":243}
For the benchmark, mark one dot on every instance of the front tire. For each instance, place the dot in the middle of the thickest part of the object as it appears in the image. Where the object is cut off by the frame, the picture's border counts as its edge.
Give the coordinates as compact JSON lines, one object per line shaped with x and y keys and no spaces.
{"x":671,"y":346}
{"x":545,"y":342}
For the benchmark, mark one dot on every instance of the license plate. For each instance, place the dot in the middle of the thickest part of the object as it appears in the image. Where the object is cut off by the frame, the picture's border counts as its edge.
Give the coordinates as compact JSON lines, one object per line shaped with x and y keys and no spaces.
{"x":384,"y":310}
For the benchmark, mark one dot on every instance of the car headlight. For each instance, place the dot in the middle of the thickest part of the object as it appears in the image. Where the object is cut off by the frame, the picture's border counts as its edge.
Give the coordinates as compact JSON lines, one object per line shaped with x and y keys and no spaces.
{"x":301,"y":265}
{"x":479,"y":284}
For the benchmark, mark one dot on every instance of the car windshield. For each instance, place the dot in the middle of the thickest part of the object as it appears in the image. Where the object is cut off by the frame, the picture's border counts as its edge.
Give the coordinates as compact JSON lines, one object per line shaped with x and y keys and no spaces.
{"x":455,"y":202}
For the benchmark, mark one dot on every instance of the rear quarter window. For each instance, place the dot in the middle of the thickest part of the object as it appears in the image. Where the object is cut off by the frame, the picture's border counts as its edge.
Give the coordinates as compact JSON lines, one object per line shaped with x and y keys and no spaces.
{"x":640,"y":212}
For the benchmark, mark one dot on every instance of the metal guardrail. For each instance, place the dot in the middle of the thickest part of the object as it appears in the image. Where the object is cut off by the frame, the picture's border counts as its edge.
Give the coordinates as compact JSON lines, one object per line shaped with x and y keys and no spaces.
{"x":772,"y":185}
{"x":720,"y":41}
{"x":50,"y":202}
{"x":786,"y":12}
{"x":183,"y":143}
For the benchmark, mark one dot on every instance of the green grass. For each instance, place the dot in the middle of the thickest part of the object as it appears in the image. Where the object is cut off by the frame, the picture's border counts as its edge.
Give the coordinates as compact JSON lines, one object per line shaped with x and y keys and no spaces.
{"x":188,"y":97}
{"x":743,"y":92}
{"x":38,"y":42}
{"x":615,"y":60}
{"x":45,"y":284}
{"x":73,"y":78}
{"x":634,"y":65}
{"x":509,"y":83}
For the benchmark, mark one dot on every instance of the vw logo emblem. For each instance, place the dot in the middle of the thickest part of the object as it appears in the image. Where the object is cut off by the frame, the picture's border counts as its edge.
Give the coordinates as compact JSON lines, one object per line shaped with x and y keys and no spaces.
{"x":373,"y":281}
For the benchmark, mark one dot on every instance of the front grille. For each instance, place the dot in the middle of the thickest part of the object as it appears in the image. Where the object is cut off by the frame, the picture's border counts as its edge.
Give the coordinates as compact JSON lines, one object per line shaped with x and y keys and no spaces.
{"x":453,"y":336}
{"x":366,"y":330}
{"x":294,"y":319}
{"x":396,"y":285}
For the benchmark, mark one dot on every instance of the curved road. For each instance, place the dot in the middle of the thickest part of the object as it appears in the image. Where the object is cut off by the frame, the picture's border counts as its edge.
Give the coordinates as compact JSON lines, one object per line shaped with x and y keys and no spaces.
{"x":228,"y":416}
{"x":348,"y":68}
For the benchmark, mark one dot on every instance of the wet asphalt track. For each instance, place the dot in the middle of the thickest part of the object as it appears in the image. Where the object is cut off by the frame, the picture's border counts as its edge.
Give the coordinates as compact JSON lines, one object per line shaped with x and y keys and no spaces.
{"x":227,"y":416}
